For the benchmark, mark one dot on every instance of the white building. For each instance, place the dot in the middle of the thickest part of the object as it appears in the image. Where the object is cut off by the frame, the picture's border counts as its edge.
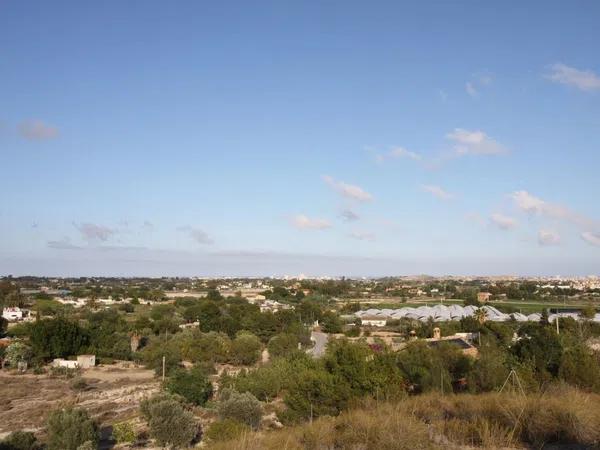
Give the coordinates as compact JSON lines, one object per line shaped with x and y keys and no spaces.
{"x":373,"y":321}
{"x":12,"y":314}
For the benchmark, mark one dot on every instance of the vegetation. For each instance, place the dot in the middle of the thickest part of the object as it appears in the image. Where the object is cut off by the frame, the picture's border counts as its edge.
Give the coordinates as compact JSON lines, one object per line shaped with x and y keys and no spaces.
{"x":69,"y":428}
{"x":170,"y":424}
{"x":243,"y":408}
{"x":192,"y":385}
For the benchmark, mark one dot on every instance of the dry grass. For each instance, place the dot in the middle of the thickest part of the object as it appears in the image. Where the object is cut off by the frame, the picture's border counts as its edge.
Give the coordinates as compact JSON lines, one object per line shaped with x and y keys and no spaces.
{"x":562,"y":415}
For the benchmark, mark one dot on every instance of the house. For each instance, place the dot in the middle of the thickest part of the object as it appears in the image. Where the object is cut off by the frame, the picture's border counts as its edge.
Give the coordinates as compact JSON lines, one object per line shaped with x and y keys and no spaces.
{"x":373,"y":321}
{"x":483,"y":297}
{"x":86,"y":361}
{"x":82,"y":362}
{"x":460,"y":340}
{"x":69,"y":364}
{"x":12,"y":314}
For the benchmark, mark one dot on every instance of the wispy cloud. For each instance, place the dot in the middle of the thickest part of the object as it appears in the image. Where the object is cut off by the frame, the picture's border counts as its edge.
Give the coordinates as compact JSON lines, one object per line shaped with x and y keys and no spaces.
{"x":591,"y":237}
{"x":36,"y":130}
{"x":470,"y":88}
{"x":437,"y":191}
{"x":63,"y":244}
{"x":348,"y":190}
{"x":534,"y":205}
{"x":94,"y":232}
{"x":474,"y":143}
{"x":303,"y":222}
{"x":398,"y":153}
{"x":349,"y":216}
{"x":548,"y":237}
{"x":401,"y":152}
{"x":477,"y":82}
{"x":362,"y":236}
{"x":584,"y":80}
{"x":503,"y":222}
{"x":198,"y":235}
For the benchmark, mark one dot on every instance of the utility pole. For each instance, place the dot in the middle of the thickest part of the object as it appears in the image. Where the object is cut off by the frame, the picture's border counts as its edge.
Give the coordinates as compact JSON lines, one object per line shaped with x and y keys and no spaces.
{"x":557,"y":328}
{"x":163,"y":369}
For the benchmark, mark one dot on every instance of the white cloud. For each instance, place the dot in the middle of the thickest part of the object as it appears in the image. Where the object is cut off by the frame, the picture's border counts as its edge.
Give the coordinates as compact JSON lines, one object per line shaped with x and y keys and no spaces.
{"x":94,"y":232}
{"x":303,"y":222}
{"x":349,"y":216}
{"x":470,"y":88}
{"x":437,"y":191}
{"x":503,"y":222}
{"x":401,"y":152}
{"x":474,"y":143}
{"x":591,"y":237}
{"x":348,"y":190}
{"x":198,"y":235}
{"x":362,"y":236}
{"x":36,"y":130}
{"x":534,"y":205}
{"x":548,"y":237}
{"x":585,"y":80}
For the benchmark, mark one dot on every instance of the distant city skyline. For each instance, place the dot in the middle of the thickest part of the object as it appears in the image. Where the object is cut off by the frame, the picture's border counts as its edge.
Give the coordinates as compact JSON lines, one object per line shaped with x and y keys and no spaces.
{"x":330,"y":139}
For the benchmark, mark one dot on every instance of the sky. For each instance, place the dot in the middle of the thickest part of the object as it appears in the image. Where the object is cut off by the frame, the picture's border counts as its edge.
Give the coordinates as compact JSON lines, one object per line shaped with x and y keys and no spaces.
{"x":323,"y":138}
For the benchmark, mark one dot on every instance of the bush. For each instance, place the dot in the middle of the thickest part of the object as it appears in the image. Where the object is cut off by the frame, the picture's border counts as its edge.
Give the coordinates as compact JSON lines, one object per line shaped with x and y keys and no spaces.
{"x":192,"y":385}
{"x":245,"y":408}
{"x":282,"y":344}
{"x":20,"y":440}
{"x":170,"y":424}
{"x":245,"y":349}
{"x":123,"y":432}
{"x":17,"y":352}
{"x":78,"y":384}
{"x":69,"y":428}
{"x":224,"y":430}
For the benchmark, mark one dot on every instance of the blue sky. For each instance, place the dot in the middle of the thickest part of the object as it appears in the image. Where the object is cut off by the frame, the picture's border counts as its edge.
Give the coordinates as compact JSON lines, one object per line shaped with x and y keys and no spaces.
{"x":325,"y":138}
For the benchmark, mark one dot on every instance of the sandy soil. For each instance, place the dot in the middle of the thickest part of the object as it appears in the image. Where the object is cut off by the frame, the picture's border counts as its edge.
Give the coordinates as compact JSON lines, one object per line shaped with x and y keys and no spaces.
{"x":113,"y":394}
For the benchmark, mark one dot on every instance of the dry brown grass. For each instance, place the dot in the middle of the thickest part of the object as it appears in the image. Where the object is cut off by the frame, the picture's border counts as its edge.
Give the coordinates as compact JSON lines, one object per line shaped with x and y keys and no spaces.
{"x":561,"y":415}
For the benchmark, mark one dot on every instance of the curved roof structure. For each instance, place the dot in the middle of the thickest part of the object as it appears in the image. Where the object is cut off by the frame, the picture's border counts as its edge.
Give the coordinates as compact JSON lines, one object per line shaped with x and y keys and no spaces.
{"x":444,"y":313}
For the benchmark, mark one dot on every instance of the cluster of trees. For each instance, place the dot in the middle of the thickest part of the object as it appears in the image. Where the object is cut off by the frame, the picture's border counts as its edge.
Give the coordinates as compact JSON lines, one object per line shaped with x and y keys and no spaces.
{"x":354,"y":370}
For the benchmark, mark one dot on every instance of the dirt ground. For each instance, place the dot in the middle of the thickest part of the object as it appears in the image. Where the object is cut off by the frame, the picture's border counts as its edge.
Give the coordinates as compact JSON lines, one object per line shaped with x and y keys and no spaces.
{"x":113,"y":394}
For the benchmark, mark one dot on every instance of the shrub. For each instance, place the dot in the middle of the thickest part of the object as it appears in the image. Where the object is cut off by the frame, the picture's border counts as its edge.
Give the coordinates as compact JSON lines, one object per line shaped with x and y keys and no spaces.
{"x":16,"y":352}
{"x":78,"y":384}
{"x":192,"y":385}
{"x":69,"y":428}
{"x":123,"y":432}
{"x":20,"y":440}
{"x":224,"y":430}
{"x":245,"y":349}
{"x":282,"y":344}
{"x":170,"y":424}
{"x":244,"y":408}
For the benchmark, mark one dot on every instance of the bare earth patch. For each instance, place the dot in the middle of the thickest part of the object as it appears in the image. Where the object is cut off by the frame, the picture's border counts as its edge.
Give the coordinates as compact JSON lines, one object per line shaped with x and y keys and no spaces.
{"x":113,"y":394}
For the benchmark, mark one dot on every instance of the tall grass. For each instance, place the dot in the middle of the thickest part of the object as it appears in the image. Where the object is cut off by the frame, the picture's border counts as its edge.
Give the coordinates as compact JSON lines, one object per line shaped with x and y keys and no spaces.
{"x":560,"y":415}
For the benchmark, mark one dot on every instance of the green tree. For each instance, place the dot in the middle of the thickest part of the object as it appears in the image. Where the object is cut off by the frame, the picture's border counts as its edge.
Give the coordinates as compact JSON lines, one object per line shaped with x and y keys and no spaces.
{"x":282,"y":344}
{"x":57,"y":338}
{"x":316,"y":392}
{"x":171,"y":425}
{"x":69,"y":428}
{"x":245,"y":349}
{"x":244,"y":407}
{"x":193,"y":385}
{"x":16,"y":352}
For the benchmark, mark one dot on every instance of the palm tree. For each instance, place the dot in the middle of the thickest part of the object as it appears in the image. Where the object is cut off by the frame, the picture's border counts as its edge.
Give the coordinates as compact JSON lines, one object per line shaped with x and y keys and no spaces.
{"x":480,"y":315}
